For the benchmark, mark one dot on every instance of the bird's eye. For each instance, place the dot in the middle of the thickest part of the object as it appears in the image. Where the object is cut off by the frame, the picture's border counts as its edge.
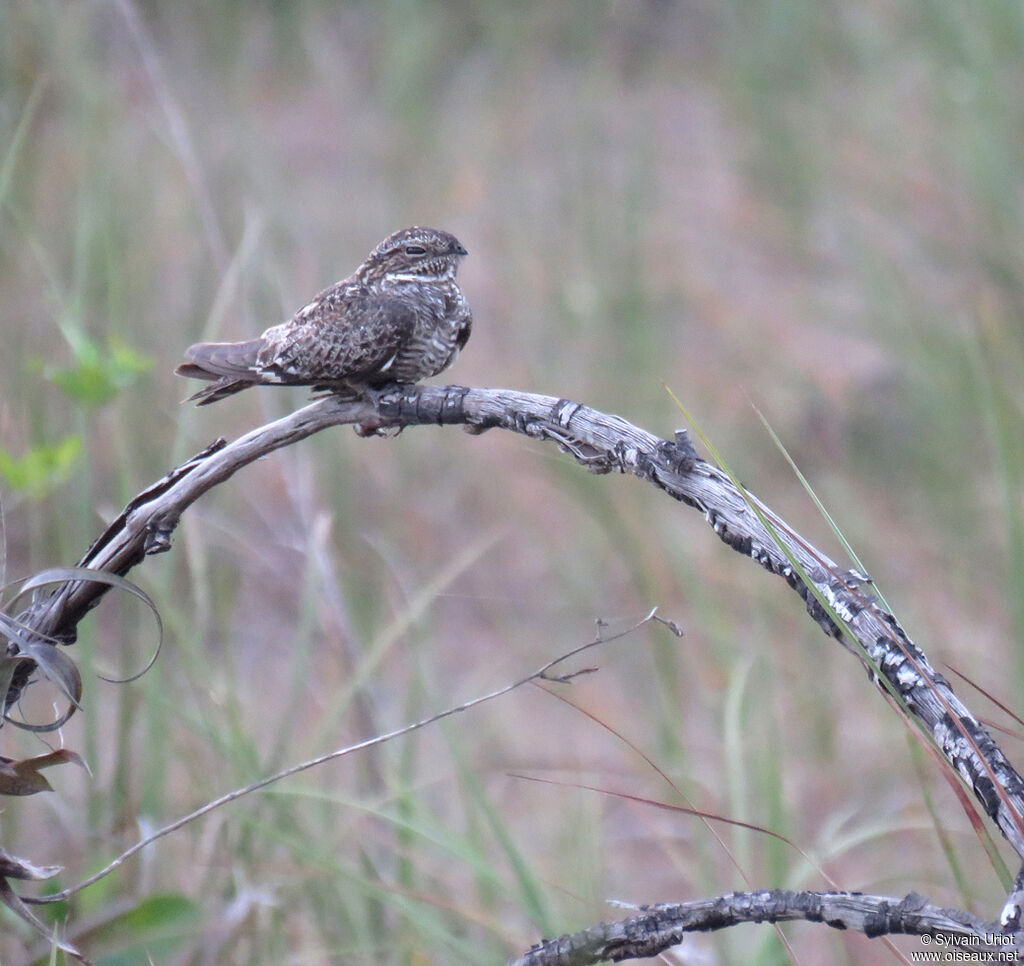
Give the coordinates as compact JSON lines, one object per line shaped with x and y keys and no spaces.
{"x":415,"y":250}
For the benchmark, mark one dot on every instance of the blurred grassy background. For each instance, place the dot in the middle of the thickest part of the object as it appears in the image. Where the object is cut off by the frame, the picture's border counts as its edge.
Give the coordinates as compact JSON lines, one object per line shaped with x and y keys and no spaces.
{"x":814,"y":206}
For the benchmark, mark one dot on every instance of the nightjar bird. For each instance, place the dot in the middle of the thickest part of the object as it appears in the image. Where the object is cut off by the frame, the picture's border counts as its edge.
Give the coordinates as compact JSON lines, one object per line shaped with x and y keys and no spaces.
{"x":399,"y":317}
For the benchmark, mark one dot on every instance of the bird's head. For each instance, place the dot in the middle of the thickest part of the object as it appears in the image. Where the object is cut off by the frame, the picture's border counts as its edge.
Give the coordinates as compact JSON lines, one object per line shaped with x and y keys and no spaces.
{"x":413,"y":254}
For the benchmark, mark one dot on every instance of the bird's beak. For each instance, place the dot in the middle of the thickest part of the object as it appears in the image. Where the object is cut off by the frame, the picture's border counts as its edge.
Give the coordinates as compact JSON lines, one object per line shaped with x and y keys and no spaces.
{"x":459,"y":250}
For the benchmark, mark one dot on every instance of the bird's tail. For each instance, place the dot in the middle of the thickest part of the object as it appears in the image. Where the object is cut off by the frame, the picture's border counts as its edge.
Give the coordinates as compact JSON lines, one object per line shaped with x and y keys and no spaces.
{"x":230,"y":366}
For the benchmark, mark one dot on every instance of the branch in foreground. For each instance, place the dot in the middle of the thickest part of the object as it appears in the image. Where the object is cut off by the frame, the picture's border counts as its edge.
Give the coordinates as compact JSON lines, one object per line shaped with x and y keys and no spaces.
{"x":660,"y":927}
{"x":603,"y":443}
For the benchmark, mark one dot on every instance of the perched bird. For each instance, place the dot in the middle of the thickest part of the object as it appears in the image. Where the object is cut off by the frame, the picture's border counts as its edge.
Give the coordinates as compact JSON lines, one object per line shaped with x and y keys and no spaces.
{"x":399,"y":317}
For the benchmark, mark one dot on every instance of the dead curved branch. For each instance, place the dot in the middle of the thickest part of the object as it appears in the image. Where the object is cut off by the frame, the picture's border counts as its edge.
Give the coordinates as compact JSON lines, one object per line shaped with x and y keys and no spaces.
{"x":657,"y":928}
{"x":602,"y":443}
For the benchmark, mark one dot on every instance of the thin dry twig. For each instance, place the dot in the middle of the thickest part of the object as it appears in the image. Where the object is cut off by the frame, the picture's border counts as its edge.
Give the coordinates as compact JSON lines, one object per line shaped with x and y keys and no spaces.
{"x":542,"y":673}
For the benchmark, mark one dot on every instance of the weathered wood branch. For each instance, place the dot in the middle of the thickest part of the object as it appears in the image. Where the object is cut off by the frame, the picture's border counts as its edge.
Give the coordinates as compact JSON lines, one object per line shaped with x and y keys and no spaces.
{"x":603,"y":443}
{"x":657,"y":928}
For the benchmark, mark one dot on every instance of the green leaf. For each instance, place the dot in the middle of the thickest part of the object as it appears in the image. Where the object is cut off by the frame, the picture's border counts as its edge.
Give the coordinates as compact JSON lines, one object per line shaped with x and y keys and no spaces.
{"x":98,"y":374}
{"x":150,"y":932}
{"x":43,"y":468}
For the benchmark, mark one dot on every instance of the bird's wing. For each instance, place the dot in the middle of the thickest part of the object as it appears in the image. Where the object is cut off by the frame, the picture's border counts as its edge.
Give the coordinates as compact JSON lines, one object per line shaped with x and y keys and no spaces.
{"x":354,"y":342}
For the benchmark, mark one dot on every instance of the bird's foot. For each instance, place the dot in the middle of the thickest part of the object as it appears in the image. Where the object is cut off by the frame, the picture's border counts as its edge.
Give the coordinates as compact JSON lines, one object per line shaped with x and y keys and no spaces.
{"x":376,"y":427}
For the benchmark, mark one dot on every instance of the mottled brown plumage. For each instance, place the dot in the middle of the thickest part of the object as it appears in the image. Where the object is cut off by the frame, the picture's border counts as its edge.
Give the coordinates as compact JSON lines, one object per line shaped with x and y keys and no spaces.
{"x":399,"y":317}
